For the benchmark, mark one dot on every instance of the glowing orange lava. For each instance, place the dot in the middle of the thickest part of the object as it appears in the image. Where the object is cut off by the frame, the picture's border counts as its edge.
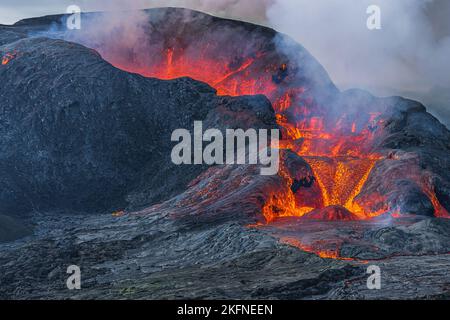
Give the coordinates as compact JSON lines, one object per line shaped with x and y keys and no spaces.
{"x":439,"y":210}
{"x":340,"y":163}
{"x":7,"y":58}
{"x":341,"y":180}
{"x":337,"y":147}
{"x":323,"y":253}
{"x":281,"y":203}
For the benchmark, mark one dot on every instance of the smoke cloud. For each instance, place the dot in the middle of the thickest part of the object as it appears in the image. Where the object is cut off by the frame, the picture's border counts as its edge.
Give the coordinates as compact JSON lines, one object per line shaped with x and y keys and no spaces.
{"x":408,"y":56}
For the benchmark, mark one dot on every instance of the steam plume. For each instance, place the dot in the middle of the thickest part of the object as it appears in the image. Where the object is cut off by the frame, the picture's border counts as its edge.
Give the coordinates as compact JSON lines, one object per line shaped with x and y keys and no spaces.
{"x":409,"y":56}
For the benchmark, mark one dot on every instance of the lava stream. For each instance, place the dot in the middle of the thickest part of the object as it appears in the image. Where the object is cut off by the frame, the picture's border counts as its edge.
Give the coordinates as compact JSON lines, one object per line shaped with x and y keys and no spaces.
{"x":337,"y":147}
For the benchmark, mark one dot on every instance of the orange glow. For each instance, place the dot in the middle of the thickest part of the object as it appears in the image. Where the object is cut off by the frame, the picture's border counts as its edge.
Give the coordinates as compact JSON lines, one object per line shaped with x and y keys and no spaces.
{"x":337,"y":152}
{"x":323,"y":253}
{"x":336,"y":145}
{"x":169,"y":62}
{"x":396,"y":215}
{"x":439,"y":210}
{"x":227,"y":77}
{"x":255,"y":225}
{"x":284,"y":102}
{"x":340,"y":159}
{"x":281,"y":203}
{"x":118,"y":213}
{"x":7,"y":58}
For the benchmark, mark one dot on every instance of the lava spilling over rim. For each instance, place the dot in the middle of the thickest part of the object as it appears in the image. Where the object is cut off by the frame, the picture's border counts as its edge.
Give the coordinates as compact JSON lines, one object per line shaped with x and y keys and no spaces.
{"x":337,"y":137}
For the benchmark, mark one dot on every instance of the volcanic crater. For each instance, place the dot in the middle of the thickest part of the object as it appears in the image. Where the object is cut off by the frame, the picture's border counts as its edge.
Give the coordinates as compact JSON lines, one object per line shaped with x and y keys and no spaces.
{"x":86,"y":119}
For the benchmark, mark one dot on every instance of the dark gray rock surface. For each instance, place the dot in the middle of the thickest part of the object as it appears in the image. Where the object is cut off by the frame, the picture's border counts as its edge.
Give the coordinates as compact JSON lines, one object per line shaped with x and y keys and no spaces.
{"x":82,"y":135}
{"x":79,"y":135}
{"x":12,"y":229}
{"x":152,"y":255}
{"x":405,"y":130}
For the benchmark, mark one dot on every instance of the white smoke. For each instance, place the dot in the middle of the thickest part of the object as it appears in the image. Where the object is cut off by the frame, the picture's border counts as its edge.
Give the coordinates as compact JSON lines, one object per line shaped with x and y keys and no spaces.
{"x":409,"y":56}
{"x":404,"y":57}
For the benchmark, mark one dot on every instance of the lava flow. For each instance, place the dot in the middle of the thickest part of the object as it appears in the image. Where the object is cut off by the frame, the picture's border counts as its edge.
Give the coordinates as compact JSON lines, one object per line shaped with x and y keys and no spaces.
{"x":335,"y":141}
{"x":340,"y":158}
{"x":320,"y":249}
{"x":334,"y":136}
{"x":7,"y":58}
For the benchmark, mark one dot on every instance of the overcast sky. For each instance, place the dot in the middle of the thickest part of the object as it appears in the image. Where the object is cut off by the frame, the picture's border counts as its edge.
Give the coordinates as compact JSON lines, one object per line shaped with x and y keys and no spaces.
{"x":13,"y":10}
{"x":409,"y":56}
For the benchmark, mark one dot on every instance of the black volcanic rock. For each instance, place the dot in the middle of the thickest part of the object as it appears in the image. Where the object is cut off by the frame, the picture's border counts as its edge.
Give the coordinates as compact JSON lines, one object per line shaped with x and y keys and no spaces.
{"x":406,"y":129}
{"x":421,"y":238}
{"x":79,"y":134}
{"x":417,"y":162}
{"x":12,"y":229}
{"x":8,"y":35}
{"x":331,"y":213}
{"x":219,"y":40}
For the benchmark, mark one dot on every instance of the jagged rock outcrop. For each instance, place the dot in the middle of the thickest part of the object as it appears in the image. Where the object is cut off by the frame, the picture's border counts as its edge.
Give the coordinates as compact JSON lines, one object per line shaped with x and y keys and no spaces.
{"x":12,"y":229}
{"x":411,"y":177}
{"x":79,"y":134}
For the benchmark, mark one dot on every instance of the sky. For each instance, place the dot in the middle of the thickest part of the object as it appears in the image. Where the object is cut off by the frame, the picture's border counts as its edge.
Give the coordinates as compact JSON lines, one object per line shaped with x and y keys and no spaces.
{"x":409,"y":56}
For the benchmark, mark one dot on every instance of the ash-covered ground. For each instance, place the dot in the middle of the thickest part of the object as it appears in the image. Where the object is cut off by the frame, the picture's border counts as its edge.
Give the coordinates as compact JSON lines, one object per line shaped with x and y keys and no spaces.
{"x":82,"y":139}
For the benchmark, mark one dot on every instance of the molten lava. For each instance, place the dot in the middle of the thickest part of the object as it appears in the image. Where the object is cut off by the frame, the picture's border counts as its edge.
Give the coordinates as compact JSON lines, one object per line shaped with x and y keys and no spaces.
{"x":7,"y":58}
{"x":338,"y":157}
{"x":320,"y":249}
{"x":341,"y":180}
{"x":439,"y":210}
{"x":337,"y":147}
